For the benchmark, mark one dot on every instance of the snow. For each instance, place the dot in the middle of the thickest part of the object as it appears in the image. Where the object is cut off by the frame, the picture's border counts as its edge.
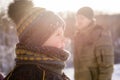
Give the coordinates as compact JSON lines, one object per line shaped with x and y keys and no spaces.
{"x":116,"y":73}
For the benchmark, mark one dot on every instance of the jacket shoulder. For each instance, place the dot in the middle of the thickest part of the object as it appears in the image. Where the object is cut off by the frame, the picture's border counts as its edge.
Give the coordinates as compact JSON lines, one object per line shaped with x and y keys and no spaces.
{"x":98,"y":28}
{"x":96,"y":32}
{"x":25,"y":72}
{"x":105,"y":37}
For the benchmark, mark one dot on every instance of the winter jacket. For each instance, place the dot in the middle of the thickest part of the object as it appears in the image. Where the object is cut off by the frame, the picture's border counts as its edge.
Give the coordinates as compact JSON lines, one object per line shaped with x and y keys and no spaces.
{"x":1,"y":76}
{"x":45,"y":63}
{"x":93,"y":54}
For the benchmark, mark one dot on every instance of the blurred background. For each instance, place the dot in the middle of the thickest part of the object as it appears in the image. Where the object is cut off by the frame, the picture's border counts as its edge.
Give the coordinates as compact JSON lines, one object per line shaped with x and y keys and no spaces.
{"x":107,"y":13}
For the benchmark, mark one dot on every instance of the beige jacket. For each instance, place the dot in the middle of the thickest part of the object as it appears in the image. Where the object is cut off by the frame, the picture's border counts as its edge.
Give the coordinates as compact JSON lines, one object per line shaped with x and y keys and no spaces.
{"x":93,"y":54}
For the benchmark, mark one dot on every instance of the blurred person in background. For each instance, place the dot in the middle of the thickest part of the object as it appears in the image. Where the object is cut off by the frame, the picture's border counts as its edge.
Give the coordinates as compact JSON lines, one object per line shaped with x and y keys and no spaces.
{"x":93,"y":49}
{"x":40,"y":53}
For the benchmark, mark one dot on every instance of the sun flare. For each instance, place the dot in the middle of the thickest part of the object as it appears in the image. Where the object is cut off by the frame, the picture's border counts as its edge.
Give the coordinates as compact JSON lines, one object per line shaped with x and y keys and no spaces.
{"x":108,"y":6}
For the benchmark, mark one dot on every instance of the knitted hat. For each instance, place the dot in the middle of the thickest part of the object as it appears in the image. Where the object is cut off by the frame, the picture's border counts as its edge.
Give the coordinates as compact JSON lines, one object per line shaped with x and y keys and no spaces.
{"x":87,"y":12}
{"x":36,"y":25}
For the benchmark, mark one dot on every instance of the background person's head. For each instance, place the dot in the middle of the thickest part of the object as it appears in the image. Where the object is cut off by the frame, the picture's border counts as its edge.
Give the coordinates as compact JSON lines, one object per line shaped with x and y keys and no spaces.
{"x":36,"y":26}
{"x":84,"y":16}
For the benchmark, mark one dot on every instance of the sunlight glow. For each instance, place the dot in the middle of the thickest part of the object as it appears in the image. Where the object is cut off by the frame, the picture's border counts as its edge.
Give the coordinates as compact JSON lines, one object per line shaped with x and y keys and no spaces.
{"x":107,"y":6}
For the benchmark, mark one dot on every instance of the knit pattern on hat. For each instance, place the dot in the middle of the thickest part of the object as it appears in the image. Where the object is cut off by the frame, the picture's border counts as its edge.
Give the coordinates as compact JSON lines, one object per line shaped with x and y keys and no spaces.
{"x":37,"y":26}
{"x":27,"y":20}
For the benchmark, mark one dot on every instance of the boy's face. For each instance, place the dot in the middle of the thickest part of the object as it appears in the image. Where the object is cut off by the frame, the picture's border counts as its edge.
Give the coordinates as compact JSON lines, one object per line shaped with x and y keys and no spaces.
{"x":82,"y":21}
{"x":57,"y":39}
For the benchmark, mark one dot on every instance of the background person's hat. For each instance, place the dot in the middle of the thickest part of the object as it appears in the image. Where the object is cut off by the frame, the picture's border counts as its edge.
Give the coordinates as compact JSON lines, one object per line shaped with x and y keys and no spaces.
{"x":87,"y":12}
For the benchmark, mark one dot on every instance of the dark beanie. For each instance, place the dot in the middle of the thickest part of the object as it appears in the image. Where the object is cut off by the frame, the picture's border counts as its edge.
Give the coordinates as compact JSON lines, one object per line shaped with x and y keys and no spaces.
{"x":87,"y":12}
{"x":36,"y":25}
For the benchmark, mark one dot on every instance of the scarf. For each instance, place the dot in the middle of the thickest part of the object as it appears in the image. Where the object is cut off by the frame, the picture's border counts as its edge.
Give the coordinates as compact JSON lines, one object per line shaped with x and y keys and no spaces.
{"x":50,"y":58}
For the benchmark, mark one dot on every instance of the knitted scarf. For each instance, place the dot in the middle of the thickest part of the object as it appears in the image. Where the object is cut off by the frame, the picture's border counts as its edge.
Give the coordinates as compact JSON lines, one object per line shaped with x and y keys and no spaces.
{"x":50,"y":58}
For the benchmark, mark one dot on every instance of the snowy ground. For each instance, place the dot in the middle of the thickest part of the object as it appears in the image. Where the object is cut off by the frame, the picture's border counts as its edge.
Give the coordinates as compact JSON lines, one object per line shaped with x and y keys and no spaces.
{"x":116,"y":74}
